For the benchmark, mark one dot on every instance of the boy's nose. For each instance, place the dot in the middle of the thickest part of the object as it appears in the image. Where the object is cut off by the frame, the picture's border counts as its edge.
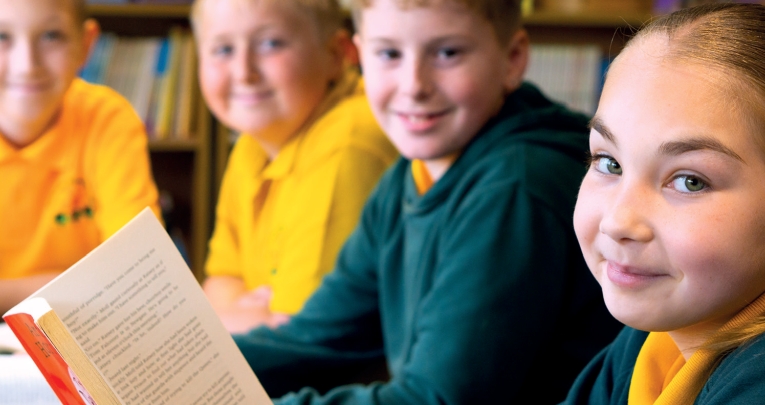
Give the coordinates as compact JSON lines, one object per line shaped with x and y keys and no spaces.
{"x":245,"y":67}
{"x":416,"y":80}
{"x":626,"y":217}
{"x":25,"y":57}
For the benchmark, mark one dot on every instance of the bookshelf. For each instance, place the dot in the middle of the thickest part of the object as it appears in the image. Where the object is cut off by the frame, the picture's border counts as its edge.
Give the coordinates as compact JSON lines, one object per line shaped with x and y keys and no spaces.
{"x":570,"y":49}
{"x":191,"y":169}
{"x":182,"y":166}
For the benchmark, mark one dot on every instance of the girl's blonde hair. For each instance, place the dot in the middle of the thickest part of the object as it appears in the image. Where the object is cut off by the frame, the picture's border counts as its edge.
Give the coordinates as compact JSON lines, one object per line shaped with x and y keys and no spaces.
{"x":729,"y":38}
{"x":327,"y":15}
{"x":503,"y":15}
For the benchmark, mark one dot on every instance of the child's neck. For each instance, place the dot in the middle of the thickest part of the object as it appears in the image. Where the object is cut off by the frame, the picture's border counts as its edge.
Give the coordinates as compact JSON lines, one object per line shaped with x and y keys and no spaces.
{"x":23,"y":135}
{"x":690,"y":339}
{"x":439,"y":166}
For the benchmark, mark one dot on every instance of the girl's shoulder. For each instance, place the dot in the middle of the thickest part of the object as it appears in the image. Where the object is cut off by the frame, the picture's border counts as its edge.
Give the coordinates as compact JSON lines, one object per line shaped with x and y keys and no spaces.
{"x":739,"y":379}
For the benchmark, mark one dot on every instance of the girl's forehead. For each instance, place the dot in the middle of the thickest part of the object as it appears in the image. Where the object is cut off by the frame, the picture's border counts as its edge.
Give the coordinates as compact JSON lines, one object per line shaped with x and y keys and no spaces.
{"x":651,"y":98}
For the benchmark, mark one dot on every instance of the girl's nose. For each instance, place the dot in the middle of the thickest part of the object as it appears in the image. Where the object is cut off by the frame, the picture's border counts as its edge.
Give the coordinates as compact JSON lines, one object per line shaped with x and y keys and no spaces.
{"x":626,"y":217}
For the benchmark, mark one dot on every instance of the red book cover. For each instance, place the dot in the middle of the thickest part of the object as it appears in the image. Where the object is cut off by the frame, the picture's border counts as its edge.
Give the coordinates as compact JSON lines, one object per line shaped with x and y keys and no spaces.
{"x":53,"y":367}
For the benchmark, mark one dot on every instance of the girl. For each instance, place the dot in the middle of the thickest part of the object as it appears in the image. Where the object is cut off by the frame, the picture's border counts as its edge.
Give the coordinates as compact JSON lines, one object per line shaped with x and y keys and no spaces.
{"x":670,"y":216}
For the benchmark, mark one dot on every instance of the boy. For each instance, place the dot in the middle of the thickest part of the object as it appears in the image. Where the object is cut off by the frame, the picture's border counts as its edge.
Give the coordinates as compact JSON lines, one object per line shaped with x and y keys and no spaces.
{"x":73,"y":157}
{"x":309,"y":155}
{"x":464,"y":273}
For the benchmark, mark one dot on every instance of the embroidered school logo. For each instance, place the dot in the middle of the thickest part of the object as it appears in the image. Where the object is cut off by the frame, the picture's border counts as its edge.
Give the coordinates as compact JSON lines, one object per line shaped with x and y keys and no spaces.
{"x":79,"y":208}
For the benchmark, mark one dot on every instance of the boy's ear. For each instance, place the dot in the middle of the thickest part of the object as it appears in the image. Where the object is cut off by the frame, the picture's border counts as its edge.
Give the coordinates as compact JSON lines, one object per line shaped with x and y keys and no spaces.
{"x":517,"y":54}
{"x":357,"y":43}
{"x":90,"y":32}
{"x":342,"y":53}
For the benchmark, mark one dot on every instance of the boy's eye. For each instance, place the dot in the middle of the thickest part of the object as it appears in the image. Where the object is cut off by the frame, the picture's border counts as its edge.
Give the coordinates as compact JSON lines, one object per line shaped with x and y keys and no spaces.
{"x":270,"y":44}
{"x":447,"y":53}
{"x":4,"y":36}
{"x":53,"y":35}
{"x":222,"y":50}
{"x":688,"y":184}
{"x":389,"y":54}
{"x":606,"y":164}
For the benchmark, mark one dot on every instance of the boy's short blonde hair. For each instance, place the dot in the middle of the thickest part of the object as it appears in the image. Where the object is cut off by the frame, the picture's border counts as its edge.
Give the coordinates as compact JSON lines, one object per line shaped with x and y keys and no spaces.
{"x":327,"y":15}
{"x":80,"y":11}
{"x":503,"y":15}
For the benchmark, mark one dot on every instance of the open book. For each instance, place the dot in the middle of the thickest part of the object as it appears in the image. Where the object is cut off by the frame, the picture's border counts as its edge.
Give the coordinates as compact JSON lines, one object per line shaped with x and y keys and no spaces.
{"x":129,"y":324}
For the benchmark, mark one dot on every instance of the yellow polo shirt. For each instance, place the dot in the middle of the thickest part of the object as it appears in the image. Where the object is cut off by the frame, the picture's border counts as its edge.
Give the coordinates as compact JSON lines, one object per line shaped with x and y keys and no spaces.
{"x":84,"y":178}
{"x":281,"y":223}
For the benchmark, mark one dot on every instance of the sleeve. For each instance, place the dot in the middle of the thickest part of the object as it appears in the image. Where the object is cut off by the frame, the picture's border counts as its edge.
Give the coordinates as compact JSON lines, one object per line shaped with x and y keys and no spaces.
{"x":120,"y":166}
{"x":336,"y":335}
{"x":223,"y":258}
{"x":356,"y":173}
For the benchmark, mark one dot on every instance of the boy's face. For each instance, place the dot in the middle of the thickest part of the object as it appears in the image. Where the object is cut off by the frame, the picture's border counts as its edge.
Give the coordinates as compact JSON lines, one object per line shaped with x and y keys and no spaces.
{"x":435,"y":75}
{"x":42,"y":47}
{"x":263,"y":68}
{"x":670,"y":215}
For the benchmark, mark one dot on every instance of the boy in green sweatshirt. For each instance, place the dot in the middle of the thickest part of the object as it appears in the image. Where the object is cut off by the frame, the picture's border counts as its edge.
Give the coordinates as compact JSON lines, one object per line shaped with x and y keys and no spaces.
{"x":464,"y":274}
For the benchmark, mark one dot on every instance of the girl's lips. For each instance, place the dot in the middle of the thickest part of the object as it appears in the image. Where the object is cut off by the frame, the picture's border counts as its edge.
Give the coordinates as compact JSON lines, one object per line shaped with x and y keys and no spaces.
{"x":631,"y":277}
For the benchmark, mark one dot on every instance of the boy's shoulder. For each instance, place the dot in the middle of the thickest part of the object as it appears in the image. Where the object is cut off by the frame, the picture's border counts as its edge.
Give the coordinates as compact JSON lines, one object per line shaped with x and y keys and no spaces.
{"x":350,"y":125}
{"x":87,"y":97}
{"x":536,"y":144}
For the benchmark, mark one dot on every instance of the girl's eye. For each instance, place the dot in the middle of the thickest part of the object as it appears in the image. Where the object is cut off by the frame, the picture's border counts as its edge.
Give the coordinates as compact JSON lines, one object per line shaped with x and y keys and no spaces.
{"x":5,"y":37}
{"x":607,"y":165}
{"x":688,"y":184}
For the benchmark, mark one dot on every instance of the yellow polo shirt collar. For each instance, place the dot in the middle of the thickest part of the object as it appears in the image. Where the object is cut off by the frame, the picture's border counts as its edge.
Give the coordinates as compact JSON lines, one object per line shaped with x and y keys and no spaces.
{"x":663,"y":377}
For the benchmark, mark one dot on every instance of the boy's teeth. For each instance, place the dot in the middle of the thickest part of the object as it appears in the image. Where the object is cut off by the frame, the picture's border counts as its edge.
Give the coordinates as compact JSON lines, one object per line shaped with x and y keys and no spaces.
{"x":417,"y":118}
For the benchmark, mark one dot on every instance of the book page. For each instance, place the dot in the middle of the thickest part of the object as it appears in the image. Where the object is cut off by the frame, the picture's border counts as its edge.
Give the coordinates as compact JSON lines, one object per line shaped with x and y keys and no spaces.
{"x":139,"y":314}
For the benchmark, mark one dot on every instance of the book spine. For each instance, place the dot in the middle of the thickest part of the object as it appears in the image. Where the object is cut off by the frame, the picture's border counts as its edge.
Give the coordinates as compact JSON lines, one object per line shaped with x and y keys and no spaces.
{"x":52,"y":366}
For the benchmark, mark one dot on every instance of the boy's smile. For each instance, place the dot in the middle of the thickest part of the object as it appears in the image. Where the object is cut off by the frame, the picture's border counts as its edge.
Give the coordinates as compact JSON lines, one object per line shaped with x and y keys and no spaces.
{"x":435,"y":75}
{"x":263,"y":68}
{"x":42,"y":46}
{"x":670,"y":216}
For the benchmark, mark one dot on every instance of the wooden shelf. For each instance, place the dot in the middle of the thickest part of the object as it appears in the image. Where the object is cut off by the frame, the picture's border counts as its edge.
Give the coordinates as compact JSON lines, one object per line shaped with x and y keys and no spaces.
{"x":174,"y":145}
{"x":139,"y":10}
{"x":589,"y":19}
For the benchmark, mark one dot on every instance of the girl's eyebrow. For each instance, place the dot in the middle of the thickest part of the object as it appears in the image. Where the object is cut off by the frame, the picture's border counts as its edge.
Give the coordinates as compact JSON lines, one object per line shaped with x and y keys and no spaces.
{"x":676,"y":148}
{"x":673,"y":148}
{"x":597,"y":124}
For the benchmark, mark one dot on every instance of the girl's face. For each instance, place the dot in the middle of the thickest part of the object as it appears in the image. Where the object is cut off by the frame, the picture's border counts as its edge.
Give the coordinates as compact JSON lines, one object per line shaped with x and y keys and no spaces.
{"x":671,"y":214}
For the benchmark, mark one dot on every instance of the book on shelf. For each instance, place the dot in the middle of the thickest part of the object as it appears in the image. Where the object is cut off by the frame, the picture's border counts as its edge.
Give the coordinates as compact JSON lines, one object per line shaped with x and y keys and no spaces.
{"x":187,"y":75}
{"x":167,"y":85}
{"x":156,"y":75}
{"x":129,"y":324}
{"x":570,"y":74}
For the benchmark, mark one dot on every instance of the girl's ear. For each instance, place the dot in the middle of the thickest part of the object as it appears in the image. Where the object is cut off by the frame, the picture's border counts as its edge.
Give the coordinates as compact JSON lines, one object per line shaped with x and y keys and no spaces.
{"x":516,"y":60}
{"x":90,"y":32}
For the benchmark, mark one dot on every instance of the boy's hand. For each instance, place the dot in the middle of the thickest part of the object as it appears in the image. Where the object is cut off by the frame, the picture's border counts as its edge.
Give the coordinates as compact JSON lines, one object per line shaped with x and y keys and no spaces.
{"x":257,"y":303}
{"x":241,"y":310}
